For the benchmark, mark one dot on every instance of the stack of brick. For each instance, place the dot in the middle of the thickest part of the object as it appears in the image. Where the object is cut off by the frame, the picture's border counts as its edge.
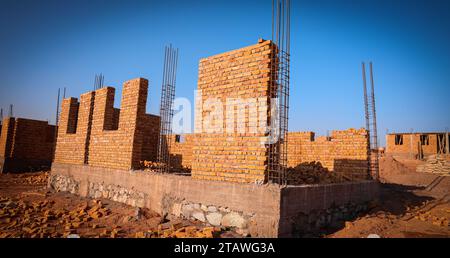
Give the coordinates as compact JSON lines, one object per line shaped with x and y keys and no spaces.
{"x":344,"y":152}
{"x":93,"y":132}
{"x":233,"y":156}
{"x":26,"y":144}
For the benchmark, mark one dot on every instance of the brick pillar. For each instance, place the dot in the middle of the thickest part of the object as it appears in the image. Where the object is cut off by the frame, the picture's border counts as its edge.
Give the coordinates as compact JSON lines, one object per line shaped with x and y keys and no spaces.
{"x":103,"y":110}
{"x":69,"y":114}
{"x":72,"y":146}
{"x":134,"y":101}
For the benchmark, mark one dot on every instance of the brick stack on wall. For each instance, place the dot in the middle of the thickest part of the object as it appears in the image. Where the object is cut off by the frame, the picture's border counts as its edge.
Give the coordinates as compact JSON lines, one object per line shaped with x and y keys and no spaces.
{"x":344,"y":152}
{"x":93,"y":132}
{"x":26,"y":144}
{"x":221,"y":155}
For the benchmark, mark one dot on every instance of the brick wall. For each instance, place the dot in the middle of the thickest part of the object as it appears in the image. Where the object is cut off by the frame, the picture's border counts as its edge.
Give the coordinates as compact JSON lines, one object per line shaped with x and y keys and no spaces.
{"x":105,"y":136}
{"x":26,"y":144}
{"x":150,"y":131}
{"x":344,"y":152}
{"x":237,"y":157}
{"x":181,"y":152}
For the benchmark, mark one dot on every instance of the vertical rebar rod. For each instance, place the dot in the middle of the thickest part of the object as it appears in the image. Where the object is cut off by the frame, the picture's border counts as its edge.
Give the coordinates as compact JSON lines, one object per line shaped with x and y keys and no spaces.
{"x":279,"y":90}
{"x":366,"y":113}
{"x":166,"y":111}
{"x":57,"y":117}
{"x":57,"y":108}
{"x":11,"y":114}
{"x":366,"y":101}
{"x":374,"y":133}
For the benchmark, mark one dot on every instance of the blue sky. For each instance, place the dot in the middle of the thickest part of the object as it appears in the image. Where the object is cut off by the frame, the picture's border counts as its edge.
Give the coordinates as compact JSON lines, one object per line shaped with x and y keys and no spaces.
{"x":49,"y":44}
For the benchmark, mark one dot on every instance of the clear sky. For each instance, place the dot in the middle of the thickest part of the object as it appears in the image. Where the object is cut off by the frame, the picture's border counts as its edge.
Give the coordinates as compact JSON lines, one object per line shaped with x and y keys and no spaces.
{"x":49,"y":44}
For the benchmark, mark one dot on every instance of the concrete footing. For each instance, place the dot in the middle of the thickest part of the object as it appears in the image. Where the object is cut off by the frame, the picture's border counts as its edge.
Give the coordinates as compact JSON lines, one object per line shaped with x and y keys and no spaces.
{"x":259,"y":210}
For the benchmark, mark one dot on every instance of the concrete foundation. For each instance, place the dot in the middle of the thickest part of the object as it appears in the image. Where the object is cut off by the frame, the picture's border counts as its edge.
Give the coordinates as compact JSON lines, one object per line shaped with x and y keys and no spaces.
{"x":260,"y":210}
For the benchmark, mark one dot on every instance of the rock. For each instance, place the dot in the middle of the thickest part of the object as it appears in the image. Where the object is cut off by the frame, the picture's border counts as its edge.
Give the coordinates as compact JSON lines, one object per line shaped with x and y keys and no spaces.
{"x":233,"y":219}
{"x":176,"y":209}
{"x":214,"y":218}
{"x":203,"y":208}
{"x":199,"y":216}
{"x":212,"y":209}
{"x":187,"y":210}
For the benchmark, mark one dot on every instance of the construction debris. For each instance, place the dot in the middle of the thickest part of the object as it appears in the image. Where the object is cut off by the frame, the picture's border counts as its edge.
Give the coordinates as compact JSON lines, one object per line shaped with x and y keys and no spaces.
{"x":182,"y":232}
{"x":41,"y":219}
{"x":33,"y":179}
{"x":436,"y":164}
{"x":46,"y":219}
{"x":312,"y":173}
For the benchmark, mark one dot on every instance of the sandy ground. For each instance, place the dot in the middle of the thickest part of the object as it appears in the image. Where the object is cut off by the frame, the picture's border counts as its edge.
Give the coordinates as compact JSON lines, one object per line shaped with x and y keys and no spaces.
{"x":402,"y":211}
{"x":27,"y":209}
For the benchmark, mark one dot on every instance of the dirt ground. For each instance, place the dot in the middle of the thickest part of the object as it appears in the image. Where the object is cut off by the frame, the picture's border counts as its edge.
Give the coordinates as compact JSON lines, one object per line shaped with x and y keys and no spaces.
{"x":402,"y":211}
{"x":27,"y":209}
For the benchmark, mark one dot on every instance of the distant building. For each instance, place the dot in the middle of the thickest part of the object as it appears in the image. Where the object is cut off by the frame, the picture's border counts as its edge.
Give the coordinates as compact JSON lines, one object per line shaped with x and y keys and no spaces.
{"x":417,"y":145}
{"x":26,"y":145}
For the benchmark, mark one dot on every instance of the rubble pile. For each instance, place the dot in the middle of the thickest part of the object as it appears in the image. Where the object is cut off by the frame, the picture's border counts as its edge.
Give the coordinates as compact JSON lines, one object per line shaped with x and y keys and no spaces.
{"x":33,"y":179}
{"x":150,"y":165}
{"x":179,"y":231}
{"x":43,"y":220}
{"x":435,"y":220}
{"x":312,"y":173}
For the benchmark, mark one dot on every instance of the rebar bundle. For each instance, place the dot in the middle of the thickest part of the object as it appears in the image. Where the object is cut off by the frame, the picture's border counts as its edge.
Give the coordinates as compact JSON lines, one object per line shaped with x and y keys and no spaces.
{"x":99,"y":81}
{"x":166,"y":111}
{"x":279,"y":89}
{"x":371,"y":123}
{"x":11,"y":113}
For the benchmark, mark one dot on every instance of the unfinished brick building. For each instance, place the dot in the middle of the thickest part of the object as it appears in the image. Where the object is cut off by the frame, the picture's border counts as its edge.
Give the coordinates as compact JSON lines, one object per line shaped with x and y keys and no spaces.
{"x":93,"y":132}
{"x":26,"y":145}
{"x":415,"y":145}
{"x":99,"y":149}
